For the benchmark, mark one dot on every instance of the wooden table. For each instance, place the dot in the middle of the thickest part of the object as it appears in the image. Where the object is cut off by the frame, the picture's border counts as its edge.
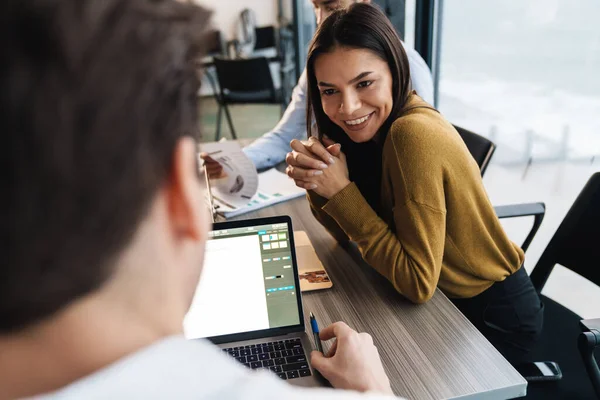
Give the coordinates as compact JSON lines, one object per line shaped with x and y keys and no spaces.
{"x":430,"y":351}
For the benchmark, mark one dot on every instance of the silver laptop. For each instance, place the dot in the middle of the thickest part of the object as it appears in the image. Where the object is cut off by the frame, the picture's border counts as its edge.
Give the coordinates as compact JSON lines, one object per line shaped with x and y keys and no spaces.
{"x":248,"y":301}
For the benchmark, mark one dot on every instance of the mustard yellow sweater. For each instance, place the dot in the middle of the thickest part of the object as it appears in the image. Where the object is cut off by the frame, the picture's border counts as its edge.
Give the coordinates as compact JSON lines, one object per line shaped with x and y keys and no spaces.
{"x":437,"y":226}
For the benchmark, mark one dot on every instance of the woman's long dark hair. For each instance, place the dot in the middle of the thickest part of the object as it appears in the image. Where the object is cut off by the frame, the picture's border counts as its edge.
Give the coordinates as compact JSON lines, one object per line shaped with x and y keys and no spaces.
{"x":361,"y":26}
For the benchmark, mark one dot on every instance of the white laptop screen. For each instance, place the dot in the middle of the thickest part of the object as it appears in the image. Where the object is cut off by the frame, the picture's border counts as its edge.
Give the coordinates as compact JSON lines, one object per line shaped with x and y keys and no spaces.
{"x":247,"y":283}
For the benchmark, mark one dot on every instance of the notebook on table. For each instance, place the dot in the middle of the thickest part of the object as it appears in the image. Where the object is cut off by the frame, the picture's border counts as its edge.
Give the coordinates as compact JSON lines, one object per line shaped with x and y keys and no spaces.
{"x":312,"y":273}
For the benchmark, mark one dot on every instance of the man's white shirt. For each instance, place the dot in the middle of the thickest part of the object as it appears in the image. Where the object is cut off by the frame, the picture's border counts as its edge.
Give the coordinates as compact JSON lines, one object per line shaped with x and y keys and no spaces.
{"x":176,"y":368}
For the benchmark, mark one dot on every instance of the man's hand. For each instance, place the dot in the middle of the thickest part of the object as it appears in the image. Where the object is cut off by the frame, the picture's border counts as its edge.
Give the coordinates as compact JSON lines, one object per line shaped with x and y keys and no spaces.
{"x":353,"y":361}
{"x":214,"y":169}
{"x":316,"y":167}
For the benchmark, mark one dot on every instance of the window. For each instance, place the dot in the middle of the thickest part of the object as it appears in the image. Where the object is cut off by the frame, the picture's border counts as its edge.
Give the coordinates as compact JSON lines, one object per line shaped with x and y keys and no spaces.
{"x":524,"y":73}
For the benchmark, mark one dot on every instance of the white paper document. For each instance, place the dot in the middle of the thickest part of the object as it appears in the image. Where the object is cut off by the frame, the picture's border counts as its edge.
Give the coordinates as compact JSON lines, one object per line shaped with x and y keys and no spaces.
{"x":241,"y":180}
{"x":273,"y":187}
{"x":243,"y":190}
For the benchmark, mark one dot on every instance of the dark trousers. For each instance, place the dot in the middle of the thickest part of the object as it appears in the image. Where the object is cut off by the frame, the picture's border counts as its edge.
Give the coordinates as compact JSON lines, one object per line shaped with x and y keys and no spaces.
{"x":510,"y":315}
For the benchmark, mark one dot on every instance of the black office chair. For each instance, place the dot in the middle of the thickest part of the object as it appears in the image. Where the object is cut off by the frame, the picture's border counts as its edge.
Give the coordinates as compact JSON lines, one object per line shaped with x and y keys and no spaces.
{"x":588,"y":341}
{"x":266,"y":37}
{"x":482,"y":150}
{"x":576,"y":246}
{"x":244,"y":81}
{"x":215,"y":44}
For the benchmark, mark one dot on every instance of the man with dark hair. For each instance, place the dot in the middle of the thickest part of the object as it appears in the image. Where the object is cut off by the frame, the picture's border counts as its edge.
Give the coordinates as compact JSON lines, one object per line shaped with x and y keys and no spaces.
{"x":103,"y":222}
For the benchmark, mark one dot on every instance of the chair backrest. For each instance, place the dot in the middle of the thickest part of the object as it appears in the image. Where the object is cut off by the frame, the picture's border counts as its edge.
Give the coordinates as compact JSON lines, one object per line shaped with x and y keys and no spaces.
{"x":266,"y":37}
{"x":215,"y":45}
{"x":480,"y":148}
{"x":576,"y":243}
{"x":240,"y":77}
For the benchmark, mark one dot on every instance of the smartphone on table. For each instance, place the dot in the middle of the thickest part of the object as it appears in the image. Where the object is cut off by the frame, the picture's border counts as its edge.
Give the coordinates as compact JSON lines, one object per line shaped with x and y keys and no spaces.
{"x":540,"y":371}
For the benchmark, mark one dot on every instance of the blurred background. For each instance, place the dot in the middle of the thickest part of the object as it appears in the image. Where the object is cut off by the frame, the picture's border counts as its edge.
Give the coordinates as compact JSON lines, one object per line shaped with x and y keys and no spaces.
{"x":522,"y":73}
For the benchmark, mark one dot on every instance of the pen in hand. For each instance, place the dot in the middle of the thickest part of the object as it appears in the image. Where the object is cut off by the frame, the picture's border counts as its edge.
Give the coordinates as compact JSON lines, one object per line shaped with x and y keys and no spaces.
{"x":315,"y":330}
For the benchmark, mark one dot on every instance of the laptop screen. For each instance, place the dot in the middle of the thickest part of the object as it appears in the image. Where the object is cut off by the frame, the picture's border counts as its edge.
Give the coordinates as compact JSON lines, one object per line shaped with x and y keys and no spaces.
{"x":248,"y":282}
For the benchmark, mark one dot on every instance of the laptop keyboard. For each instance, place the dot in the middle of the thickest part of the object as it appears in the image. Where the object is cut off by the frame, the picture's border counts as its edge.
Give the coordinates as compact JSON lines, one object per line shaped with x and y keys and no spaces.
{"x":286,"y":358}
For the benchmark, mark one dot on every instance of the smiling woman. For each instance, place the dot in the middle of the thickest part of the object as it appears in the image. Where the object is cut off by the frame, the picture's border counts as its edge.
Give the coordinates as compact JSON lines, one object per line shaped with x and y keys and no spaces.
{"x":358,"y":102}
{"x":350,"y":79}
{"x":402,"y":184}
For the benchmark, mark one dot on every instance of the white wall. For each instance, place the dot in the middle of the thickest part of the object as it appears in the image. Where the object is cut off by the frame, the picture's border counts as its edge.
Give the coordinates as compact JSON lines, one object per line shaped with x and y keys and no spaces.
{"x":226,"y":13}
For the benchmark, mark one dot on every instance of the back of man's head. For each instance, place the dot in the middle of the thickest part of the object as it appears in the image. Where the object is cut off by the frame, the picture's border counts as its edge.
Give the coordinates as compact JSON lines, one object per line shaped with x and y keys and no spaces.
{"x":95,"y":96}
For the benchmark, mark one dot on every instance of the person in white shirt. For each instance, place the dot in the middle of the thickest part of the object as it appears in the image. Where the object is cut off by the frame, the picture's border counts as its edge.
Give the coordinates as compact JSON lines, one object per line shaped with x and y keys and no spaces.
{"x":272,"y":147}
{"x":104,"y":223}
